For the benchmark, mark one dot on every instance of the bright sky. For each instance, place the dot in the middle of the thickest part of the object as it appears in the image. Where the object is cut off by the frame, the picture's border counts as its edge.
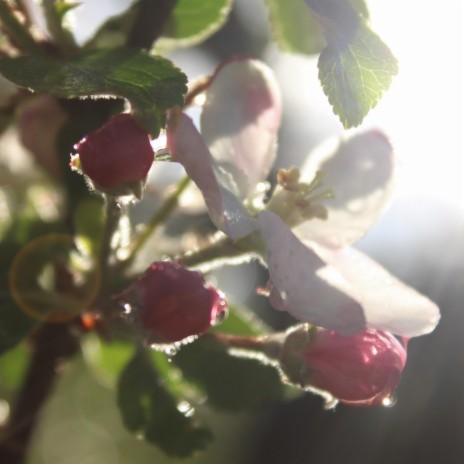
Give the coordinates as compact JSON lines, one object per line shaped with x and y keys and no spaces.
{"x":423,"y":110}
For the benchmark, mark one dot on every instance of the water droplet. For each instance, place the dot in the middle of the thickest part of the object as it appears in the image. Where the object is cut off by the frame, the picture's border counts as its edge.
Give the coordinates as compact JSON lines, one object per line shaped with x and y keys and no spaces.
{"x":262,"y":291}
{"x":127,"y":308}
{"x":186,"y":408}
{"x":389,"y":401}
{"x":170,"y":350}
{"x":221,"y":315}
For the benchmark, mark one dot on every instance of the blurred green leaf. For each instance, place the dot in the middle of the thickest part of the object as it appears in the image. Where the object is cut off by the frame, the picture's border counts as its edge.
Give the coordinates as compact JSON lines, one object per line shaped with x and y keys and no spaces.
{"x":356,"y":67}
{"x":231,"y":383}
{"x":13,"y":366}
{"x":62,"y":7}
{"x":89,"y":222}
{"x":106,"y":360}
{"x":14,"y":324}
{"x":193,"y":22}
{"x":152,"y":84}
{"x":148,"y":409}
{"x":241,"y":321}
{"x":294,"y":28}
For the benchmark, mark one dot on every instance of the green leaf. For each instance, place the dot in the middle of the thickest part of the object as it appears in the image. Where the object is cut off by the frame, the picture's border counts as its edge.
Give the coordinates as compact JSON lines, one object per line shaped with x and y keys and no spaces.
{"x":192,"y":22}
{"x":13,"y":365}
{"x":89,"y":222}
{"x":63,"y":7}
{"x":14,"y":324}
{"x":356,"y":67}
{"x":106,"y":360}
{"x":148,"y":409}
{"x":241,"y":321}
{"x":152,"y":84}
{"x":294,"y":28}
{"x":231,"y":383}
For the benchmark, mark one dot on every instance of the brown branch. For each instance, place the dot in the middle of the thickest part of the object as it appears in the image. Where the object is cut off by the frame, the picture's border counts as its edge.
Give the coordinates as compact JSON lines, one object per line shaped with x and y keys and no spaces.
{"x":53,"y":344}
{"x":149,"y":24}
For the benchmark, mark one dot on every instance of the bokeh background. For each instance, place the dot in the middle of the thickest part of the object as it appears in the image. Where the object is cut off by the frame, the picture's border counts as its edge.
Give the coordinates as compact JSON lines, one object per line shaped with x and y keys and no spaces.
{"x":420,"y":239}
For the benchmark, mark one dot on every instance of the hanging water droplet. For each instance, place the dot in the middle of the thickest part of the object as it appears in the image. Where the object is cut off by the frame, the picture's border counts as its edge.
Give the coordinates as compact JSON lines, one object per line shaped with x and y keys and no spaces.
{"x":127,"y":308}
{"x":389,"y":401}
{"x":221,"y":315}
{"x":186,"y":408}
{"x":170,"y":350}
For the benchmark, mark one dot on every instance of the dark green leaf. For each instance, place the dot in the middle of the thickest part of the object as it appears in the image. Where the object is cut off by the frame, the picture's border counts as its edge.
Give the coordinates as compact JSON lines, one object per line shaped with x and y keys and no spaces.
{"x":14,"y":324}
{"x":193,"y":22}
{"x":231,"y":383}
{"x":151,"y":84}
{"x":356,"y":67}
{"x":147,"y":408}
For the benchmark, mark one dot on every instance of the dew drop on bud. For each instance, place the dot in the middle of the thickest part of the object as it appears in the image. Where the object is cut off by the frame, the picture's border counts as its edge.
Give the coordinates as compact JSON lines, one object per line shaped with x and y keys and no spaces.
{"x":185,"y":408}
{"x":127,"y":308}
{"x":170,"y":350}
{"x":221,"y":315}
{"x":389,"y":401}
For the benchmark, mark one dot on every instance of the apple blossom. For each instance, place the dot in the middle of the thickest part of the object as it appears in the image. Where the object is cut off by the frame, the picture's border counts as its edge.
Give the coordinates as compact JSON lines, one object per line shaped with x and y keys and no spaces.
{"x":314,"y":275}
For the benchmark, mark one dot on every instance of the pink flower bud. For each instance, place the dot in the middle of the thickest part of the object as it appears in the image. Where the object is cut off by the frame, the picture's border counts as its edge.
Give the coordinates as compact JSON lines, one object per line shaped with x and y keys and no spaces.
{"x":117,"y":157}
{"x":359,"y":370}
{"x":174,"y":303}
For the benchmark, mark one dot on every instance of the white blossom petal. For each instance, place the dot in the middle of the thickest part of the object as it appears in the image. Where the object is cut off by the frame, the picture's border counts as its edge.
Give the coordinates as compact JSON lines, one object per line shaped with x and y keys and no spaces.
{"x":188,"y":148}
{"x":388,"y":303}
{"x":240,"y":120}
{"x":304,"y":285}
{"x":360,"y":171}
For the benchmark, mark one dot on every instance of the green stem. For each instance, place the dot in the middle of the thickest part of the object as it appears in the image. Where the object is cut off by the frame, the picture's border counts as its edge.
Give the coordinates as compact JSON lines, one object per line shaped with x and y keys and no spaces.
{"x":221,"y":249}
{"x":17,"y":32}
{"x":113,"y":215}
{"x":268,"y":345}
{"x":158,"y":218}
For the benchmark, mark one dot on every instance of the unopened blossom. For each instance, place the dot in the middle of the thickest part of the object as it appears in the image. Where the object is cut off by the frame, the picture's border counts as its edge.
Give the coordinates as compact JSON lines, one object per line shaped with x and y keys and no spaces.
{"x":116,"y":157}
{"x":173,"y":303}
{"x":313,"y":216}
{"x":40,"y":120}
{"x":360,"y":370}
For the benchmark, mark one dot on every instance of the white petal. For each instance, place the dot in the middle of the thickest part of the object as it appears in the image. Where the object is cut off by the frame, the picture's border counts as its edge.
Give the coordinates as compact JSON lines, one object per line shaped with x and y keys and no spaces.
{"x":360,"y":171}
{"x":188,"y":148}
{"x":240,"y":120}
{"x":303,"y":285}
{"x":388,"y":303}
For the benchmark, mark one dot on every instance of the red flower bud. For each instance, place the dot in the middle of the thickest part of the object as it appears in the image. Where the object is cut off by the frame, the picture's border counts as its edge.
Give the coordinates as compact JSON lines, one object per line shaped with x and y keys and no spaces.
{"x":117,"y":157}
{"x":174,"y":302}
{"x":359,"y":370}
